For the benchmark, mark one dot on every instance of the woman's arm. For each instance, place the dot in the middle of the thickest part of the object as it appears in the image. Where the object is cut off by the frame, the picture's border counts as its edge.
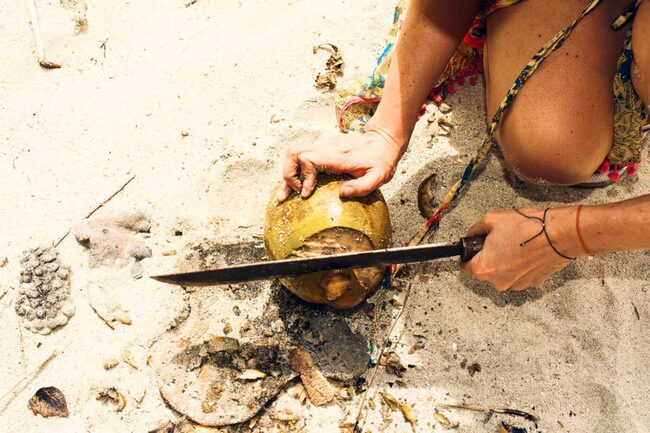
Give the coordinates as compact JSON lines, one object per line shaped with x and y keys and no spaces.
{"x":430,"y":35}
{"x":432,"y":31}
{"x":604,"y":228}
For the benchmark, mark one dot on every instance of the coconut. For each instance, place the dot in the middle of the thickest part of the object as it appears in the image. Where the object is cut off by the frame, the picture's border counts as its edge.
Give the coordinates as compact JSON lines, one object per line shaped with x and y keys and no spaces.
{"x":324,"y":224}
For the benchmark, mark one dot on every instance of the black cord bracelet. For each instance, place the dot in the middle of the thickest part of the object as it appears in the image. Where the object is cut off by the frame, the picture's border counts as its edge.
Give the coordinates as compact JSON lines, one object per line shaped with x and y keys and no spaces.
{"x":543,"y":230}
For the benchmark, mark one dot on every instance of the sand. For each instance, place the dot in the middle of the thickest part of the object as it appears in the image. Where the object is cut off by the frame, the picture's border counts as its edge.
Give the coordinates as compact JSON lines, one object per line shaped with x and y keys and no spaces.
{"x":198,"y":103}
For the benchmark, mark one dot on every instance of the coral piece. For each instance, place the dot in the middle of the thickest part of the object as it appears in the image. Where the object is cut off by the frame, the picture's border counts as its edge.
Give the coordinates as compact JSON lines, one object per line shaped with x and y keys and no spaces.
{"x":44,"y":301}
{"x":218,"y":381}
{"x":113,"y":241}
{"x":48,"y":401}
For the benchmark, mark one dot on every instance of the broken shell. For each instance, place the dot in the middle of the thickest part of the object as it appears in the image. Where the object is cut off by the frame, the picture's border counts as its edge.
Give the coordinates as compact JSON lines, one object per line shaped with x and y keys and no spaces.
{"x":112,"y":395}
{"x":251,"y":375}
{"x":48,"y":401}
{"x":326,"y":224}
{"x":426,"y":197}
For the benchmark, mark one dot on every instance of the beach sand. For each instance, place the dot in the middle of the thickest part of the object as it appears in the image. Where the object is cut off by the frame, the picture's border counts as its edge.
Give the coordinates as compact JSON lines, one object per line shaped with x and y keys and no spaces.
{"x":198,"y":103}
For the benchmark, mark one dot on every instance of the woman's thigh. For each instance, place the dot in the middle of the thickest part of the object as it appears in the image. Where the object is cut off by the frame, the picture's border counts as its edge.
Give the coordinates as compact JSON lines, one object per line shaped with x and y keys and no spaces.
{"x":560,"y":127}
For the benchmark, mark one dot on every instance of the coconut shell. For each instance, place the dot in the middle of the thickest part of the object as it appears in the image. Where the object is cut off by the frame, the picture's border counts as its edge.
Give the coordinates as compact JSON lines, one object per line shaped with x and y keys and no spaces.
{"x":326,"y":224}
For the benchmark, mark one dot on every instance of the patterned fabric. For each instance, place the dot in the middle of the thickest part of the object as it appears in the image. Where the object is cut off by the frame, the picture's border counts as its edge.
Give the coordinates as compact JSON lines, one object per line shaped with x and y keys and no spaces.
{"x":630,"y":113}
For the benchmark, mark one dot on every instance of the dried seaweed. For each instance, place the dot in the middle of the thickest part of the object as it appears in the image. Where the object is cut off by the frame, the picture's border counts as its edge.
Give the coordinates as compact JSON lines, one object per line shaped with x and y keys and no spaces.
{"x":333,"y":68}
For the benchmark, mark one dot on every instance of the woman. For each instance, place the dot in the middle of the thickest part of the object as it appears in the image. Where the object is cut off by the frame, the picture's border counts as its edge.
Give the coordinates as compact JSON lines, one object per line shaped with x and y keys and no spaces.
{"x":559,"y":130}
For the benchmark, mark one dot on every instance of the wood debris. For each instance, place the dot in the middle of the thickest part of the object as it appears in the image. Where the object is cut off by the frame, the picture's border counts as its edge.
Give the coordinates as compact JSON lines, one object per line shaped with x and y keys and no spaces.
{"x":112,"y":395}
{"x":333,"y":68}
{"x":507,"y":428}
{"x":319,"y":390}
{"x":48,"y":401}
{"x":489,"y":409}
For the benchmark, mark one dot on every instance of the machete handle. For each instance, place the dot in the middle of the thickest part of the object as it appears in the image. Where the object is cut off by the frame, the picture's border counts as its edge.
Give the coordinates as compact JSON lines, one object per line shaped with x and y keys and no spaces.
{"x":471,"y":246}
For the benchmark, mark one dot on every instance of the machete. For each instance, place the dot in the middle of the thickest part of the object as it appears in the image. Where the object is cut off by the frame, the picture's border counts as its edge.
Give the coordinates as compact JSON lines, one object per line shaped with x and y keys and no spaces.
{"x":466,"y":248}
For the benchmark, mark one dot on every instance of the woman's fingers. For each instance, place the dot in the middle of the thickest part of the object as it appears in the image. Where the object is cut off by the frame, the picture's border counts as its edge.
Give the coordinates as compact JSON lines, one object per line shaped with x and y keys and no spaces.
{"x":362,"y":186}
{"x":283,"y":192}
{"x":290,"y":172}
{"x":309,"y":173}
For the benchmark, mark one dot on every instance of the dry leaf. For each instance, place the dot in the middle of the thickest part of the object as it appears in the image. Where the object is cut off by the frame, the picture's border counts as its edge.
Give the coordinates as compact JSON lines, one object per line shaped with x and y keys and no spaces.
{"x":110,"y":363}
{"x":409,"y":414}
{"x":444,"y":421}
{"x":389,"y":400}
{"x":333,"y":67}
{"x":48,"y":401}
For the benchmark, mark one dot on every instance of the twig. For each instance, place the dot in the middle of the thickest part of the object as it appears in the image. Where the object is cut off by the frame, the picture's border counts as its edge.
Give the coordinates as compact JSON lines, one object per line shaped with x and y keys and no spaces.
{"x":98,"y":207}
{"x":25,"y":380}
{"x":38,"y":39}
{"x":381,"y":352}
{"x":488,"y":409}
{"x":190,"y":3}
{"x":103,"y":46}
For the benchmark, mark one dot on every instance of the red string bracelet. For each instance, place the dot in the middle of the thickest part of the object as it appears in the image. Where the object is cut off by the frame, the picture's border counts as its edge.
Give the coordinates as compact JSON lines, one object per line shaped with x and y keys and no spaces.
{"x":582,"y":241}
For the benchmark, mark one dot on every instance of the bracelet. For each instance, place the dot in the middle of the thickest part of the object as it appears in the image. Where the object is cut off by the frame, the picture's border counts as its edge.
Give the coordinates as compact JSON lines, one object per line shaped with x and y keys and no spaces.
{"x":543,"y":230}
{"x":582,"y":241}
{"x":383,"y":133}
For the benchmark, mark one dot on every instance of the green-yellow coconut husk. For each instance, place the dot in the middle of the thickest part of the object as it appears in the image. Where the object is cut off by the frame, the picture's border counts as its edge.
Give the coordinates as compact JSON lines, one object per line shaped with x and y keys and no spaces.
{"x":298,"y":226}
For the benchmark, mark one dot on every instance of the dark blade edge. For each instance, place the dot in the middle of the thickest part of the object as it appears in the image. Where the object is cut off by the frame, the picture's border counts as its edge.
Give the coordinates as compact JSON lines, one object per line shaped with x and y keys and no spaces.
{"x":299,"y":266}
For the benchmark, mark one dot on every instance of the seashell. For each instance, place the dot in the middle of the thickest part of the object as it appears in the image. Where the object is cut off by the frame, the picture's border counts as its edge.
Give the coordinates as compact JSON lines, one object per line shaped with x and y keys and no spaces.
{"x":48,"y":401}
{"x":251,"y":375}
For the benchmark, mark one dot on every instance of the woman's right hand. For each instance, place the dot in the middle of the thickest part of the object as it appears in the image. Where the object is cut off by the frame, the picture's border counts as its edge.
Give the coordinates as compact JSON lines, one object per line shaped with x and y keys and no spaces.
{"x":371,"y":158}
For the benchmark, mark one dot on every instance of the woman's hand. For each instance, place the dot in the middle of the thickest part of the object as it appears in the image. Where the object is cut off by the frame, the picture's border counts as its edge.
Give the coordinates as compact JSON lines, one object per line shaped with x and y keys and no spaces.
{"x":508,"y":264}
{"x":370,"y":158}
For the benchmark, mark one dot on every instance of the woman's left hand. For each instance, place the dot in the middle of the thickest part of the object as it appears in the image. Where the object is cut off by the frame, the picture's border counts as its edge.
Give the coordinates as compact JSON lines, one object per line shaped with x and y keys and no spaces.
{"x":508,"y":261}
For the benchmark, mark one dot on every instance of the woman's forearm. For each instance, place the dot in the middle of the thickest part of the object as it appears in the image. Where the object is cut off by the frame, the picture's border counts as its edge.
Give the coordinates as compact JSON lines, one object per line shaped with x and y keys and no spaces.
{"x":604,"y":228}
{"x":430,"y":34}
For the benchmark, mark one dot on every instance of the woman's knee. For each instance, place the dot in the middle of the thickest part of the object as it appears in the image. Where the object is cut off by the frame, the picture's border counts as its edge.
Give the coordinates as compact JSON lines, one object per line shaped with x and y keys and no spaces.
{"x":553,"y":152}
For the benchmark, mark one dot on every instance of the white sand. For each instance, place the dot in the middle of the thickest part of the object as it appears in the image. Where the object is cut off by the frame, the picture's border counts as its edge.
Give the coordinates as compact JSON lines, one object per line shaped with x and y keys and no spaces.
{"x":573,"y":352}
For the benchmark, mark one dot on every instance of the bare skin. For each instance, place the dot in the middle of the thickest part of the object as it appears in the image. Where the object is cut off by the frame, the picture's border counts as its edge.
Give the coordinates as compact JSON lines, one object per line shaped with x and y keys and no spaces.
{"x":558,"y":131}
